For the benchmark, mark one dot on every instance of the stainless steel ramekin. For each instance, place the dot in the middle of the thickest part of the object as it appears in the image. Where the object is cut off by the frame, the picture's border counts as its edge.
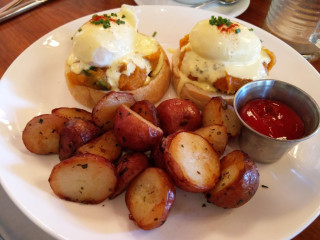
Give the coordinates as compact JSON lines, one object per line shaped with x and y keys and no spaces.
{"x":266,"y":149}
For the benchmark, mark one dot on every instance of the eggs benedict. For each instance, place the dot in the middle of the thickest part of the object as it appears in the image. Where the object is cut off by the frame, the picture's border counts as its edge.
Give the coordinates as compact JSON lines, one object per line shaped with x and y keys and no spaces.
{"x":109,"y":54}
{"x":217,"y":58}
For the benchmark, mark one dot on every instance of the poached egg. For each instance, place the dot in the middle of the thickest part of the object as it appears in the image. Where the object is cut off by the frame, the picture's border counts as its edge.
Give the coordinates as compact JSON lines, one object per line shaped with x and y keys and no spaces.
{"x":215,"y":50}
{"x":111,"y":41}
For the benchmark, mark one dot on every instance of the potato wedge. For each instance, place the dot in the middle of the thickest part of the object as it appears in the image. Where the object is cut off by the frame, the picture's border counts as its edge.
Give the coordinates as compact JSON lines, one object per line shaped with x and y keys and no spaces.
{"x":239,"y":181}
{"x":216,"y":135}
{"x":212,"y":112}
{"x":147,"y":110}
{"x":191,"y":161}
{"x":105,"y":145}
{"x":178,"y":114}
{"x":217,"y":111}
{"x":41,"y":134}
{"x":231,"y":121}
{"x":71,"y":113}
{"x":130,"y":165}
{"x":104,"y":111}
{"x":157,"y":156}
{"x":149,"y":198}
{"x":134,"y":132}
{"x":74,"y":134}
{"x":83,"y":178}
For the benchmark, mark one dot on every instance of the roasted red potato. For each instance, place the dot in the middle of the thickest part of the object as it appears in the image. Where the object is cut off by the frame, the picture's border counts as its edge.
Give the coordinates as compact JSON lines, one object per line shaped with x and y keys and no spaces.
{"x":129,"y":166}
{"x":217,"y":111}
{"x":74,"y":134}
{"x":104,"y":111}
{"x":71,"y":113}
{"x":157,"y":156}
{"x":178,"y":114}
{"x":83,"y":178}
{"x":150,"y":197}
{"x":41,"y":134}
{"x":239,"y":181}
{"x":147,"y":110}
{"x":105,"y":145}
{"x":216,"y":135}
{"x":191,"y":161}
{"x":134,"y":132}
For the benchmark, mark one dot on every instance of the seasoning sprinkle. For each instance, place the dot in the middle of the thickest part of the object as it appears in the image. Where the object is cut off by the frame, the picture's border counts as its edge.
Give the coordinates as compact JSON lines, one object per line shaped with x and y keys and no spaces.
{"x":84,"y":166}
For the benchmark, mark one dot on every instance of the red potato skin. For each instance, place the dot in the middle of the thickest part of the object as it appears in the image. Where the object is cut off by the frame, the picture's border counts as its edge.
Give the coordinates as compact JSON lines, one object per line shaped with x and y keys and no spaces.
{"x":174,"y":169}
{"x":170,"y":164}
{"x":74,"y":159}
{"x":134,"y":133}
{"x":168,"y":201}
{"x":76,"y":133}
{"x":71,"y":113}
{"x":129,"y":166}
{"x":157,"y":156}
{"x":242,"y":190}
{"x":178,"y":114}
{"x":41,"y":138}
{"x":147,"y":110}
{"x":104,"y":111}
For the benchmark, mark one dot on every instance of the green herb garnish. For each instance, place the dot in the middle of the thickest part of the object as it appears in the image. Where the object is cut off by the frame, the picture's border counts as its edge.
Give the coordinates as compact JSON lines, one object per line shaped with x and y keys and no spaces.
{"x":105,"y":20}
{"x":219,"y":21}
{"x":119,"y":21}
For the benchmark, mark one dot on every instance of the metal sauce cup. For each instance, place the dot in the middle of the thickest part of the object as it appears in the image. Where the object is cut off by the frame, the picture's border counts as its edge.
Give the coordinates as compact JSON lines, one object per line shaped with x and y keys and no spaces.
{"x":266,"y":149}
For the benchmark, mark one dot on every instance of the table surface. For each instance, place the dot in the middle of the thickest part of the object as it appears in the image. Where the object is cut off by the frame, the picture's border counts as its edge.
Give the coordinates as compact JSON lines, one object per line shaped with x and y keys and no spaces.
{"x":18,"y":34}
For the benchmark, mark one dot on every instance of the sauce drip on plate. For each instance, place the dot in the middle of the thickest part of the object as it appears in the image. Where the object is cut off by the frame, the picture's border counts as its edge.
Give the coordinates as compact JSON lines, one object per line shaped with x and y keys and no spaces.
{"x":273,"y":118}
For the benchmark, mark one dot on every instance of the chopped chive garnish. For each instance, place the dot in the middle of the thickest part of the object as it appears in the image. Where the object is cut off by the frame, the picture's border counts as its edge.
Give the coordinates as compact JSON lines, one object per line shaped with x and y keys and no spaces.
{"x":219,"y":21}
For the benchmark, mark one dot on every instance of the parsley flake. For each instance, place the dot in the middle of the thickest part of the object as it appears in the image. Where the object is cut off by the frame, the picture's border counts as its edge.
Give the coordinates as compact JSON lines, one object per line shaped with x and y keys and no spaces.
{"x":84,"y":166}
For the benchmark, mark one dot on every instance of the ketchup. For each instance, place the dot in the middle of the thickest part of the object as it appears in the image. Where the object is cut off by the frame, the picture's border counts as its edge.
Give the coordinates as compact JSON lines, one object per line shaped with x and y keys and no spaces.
{"x":273,"y":118}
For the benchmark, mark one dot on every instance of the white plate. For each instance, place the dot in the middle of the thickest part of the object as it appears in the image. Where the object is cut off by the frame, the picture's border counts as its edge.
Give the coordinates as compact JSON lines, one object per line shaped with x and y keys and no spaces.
{"x":232,"y":10}
{"x":34,"y":84}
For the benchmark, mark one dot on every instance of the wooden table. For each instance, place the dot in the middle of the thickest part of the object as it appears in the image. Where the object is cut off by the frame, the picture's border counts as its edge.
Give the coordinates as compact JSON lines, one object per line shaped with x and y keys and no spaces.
{"x":19,"y":33}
